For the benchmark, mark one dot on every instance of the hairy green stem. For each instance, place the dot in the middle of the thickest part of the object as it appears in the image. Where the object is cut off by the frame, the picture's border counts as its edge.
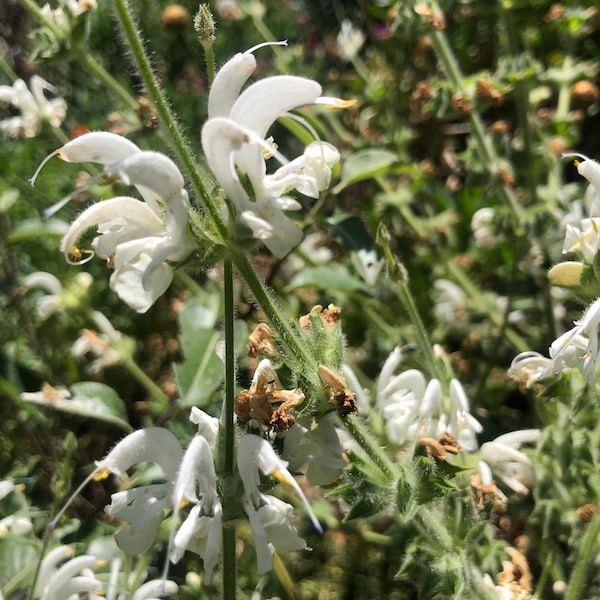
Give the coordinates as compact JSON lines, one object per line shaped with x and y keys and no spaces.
{"x":168,"y":121}
{"x":227,"y":460}
{"x":421,"y":333}
{"x":486,"y":150}
{"x":374,"y":451}
{"x":586,"y":555}
{"x":290,"y":333}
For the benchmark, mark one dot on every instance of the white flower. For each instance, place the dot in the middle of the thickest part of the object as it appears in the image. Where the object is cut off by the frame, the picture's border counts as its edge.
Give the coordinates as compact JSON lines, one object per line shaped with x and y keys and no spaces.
{"x":234,"y":136}
{"x":584,"y":240}
{"x":15,"y":525}
{"x":349,"y":41}
{"x":57,"y":298}
{"x":137,"y":238}
{"x":119,"y":586}
{"x":319,"y":448}
{"x":142,"y":507}
{"x":483,"y":231}
{"x":508,"y":462}
{"x":578,"y":347}
{"x":412,"y":407}
{"x":270,"y":518}
{"x":201,"y":531}
{"x":529,"y":367}
{"x":56,"y":583}
{"x":35,"y":108}
{"x":449,"y":298}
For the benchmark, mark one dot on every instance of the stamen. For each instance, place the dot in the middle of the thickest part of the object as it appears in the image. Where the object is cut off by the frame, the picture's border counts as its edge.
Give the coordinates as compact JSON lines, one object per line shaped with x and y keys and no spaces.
{"x":42,"y":164}
{"x":332,"y":103}
{"x":284,"y":477}
{"x":52,"y":210}
{"x":263,"y":44}
{"x":595,"y":226}
{"x":76,"y":258}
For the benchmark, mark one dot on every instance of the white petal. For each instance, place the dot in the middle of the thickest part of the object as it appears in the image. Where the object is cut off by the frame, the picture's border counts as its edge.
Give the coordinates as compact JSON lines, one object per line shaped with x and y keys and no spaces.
{"x":138,"y":279}
{"x":197,"y":472}
{"x":97,"y":146}
{"x":262,"y":103}
{"x":46,"y":281}
{"x":151,"y":170}
{"x":155,"y":588}
{"x":228,"y":82}
{"x":590,"y":169}
{"x":154,"y":444}
{"x":220,"y":139}
{"x":135,"y":213}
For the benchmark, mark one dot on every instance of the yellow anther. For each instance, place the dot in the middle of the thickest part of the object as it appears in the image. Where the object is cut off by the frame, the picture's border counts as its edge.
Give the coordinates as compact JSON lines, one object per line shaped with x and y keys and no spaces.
{"x":595,"y":225}
{"x":339,"y":104}
{"x":281,"y":477}
{"x":102,"y":474}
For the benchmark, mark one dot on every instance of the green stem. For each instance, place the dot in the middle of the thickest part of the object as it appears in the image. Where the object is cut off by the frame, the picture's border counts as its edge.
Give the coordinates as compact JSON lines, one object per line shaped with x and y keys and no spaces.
{"x":289,"y":332}
{"x":168,"y":121}
{"x":99,"y":71}
{"x":227,"y":460}
{"x":486,"y":150}
{"x":228,"y":420}
{"x":161,"y":399}
{"x":575,"y":589}
{"x":229,"y":543}
{"x":45,"y":541}
{"x":363,"y":437}
{"x":422,"y":338}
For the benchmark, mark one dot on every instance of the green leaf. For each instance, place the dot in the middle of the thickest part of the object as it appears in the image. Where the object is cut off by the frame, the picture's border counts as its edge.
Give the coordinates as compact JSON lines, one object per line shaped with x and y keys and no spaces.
{"x":18,"y":559}
{"x":201,"y":373}
{"x":31,"y":229}
{"x":331,"y":279}
{"x":98,"y":401}
{"x":364,"y":165}
{"x":8,"y":198}
{"x":90,"y":399}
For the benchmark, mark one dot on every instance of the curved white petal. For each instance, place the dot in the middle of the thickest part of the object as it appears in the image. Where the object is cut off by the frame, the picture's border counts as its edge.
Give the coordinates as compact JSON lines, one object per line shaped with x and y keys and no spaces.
{"x":154,"y":444}
{"x":138,"y":279}
{"x":221,"y":137}
{"x":142,"y":508}
{"x":262,"y":103}
{"x":136,"y":215}
{"x":228,"y":82}
{"x":44,"y":280}
{"x":97,"y":146}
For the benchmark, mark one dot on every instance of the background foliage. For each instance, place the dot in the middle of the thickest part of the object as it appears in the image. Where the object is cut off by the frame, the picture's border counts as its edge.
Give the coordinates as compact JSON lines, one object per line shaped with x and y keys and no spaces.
{"x":422,"y":151}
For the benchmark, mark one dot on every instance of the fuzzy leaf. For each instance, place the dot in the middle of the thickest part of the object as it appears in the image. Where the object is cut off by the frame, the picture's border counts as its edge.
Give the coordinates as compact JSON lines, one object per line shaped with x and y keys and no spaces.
{"x":364,"y":165}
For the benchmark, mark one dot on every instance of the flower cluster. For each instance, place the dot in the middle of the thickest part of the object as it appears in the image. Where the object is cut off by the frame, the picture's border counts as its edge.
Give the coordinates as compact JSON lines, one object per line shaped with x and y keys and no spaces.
{"x":34,"y":107}
{"x":190,"y":478}
{"x":578,"y":347}
{"x":234,"y":138}
{"x":137,"y":238}
{"x":413,"y":407}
